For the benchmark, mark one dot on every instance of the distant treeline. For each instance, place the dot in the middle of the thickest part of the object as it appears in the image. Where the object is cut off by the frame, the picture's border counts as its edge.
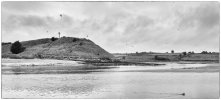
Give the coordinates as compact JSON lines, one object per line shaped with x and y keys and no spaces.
{"x":184,"y":53}
{"x":5,"y":43}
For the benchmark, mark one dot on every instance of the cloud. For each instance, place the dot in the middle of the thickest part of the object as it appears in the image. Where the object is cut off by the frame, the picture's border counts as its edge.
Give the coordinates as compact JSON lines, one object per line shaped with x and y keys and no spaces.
{"x":118,"y":26}
{"x":23,"y":6}
{"x":199,"y":26}
{"x":204,"y":16}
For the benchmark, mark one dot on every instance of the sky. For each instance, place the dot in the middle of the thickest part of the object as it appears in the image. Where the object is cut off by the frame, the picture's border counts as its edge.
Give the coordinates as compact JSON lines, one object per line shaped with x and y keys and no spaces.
{"x":118,"y":27}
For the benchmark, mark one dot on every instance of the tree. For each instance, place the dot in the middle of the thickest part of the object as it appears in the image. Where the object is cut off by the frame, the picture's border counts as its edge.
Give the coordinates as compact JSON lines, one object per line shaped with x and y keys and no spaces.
{"x":75,"y":39}
{"x":17,"y":47}
{"x":172,"y":51}
{"x":184,"y":53}
{"x":53,"y":39}
{"x":204,"y":52}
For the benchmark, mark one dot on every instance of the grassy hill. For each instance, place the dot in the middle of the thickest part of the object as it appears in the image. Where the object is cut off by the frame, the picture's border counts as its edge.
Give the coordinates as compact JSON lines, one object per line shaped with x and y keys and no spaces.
{"x":62,"y":48}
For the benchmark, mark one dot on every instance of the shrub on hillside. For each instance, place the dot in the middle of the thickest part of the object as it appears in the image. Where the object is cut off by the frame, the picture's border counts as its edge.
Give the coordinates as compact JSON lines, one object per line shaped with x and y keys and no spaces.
{"x":75,"y":39}
{"x":81,"y":44}
{"x":53,"y":39}
{"x":17,"y":47}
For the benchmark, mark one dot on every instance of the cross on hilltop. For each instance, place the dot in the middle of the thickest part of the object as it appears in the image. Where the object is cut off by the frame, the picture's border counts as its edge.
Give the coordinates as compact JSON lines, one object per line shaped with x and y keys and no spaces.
{"x":59,"y":34}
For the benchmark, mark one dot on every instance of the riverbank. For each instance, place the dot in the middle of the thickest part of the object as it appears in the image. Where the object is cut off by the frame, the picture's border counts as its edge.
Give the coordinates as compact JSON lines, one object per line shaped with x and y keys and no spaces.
{"x":39,"y":62}
{"x":48,"y":66}
{"x":45,"y":66}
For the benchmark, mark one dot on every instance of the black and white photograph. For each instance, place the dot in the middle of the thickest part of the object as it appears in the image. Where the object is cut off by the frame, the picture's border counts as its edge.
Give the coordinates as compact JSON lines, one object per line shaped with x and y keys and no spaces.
{"x":110,"y":50}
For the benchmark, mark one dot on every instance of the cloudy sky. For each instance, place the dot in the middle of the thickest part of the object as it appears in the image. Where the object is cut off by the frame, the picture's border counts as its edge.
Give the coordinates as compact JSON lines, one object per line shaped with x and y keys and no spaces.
{"x":118,"y":26}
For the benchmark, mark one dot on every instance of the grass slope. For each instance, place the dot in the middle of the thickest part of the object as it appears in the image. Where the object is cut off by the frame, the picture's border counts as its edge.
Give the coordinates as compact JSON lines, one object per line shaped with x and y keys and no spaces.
{"x":63,"y":47}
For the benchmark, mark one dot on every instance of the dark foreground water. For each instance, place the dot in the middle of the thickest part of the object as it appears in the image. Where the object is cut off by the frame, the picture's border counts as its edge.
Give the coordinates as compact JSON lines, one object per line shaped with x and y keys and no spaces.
{"x":112,"y":85}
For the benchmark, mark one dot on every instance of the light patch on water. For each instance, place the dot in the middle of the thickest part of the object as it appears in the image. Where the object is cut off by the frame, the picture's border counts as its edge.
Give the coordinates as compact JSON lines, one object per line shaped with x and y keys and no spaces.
{"x":167,"y":66}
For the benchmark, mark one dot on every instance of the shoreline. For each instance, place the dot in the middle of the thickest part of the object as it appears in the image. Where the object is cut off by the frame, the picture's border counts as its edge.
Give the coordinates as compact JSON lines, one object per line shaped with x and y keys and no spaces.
{"x":38,"y":62}
{"x":48,"y":66}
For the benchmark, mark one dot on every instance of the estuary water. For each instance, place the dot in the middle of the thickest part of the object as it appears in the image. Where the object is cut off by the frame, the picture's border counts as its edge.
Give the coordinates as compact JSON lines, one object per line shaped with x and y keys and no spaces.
{"x":113,"y":84}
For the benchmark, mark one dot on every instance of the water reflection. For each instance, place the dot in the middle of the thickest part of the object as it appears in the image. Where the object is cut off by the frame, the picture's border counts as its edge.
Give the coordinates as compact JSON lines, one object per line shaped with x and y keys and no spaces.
{"x":111,"y":85}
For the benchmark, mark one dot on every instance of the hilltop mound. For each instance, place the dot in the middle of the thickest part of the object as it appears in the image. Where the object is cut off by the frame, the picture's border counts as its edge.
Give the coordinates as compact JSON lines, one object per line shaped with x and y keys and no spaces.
{"x":62,"y":48}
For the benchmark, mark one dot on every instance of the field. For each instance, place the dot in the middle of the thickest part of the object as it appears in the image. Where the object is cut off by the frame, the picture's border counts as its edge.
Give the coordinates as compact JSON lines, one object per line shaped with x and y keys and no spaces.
{"x":145,"y":57}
